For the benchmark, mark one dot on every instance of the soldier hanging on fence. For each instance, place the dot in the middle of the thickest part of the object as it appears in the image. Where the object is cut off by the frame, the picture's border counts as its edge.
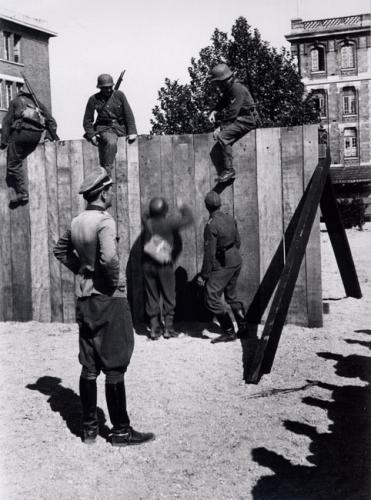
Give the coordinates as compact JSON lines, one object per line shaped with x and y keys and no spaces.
{"x":114,"y":119}
{"x":236,"y":112}
{"x":26,"y":123}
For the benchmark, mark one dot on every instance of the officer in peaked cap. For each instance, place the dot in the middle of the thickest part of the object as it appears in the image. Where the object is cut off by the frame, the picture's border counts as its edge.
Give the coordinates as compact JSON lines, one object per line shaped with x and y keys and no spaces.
{"x":114,"y":119}
{"x":106,"y":339}
{"x":236,"y":112}
{"x":221,"y":268}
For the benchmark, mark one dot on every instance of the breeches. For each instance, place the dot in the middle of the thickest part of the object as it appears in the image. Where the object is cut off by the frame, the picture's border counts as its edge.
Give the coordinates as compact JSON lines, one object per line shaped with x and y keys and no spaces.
{"x":107,"y":148}
{"x":228,"y":135}
{"x":222,"y":281}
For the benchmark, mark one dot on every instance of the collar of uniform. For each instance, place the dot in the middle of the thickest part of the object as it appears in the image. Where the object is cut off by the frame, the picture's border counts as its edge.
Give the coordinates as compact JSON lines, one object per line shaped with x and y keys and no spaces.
{"x":216,"y":212}
{"x":95,"y":207}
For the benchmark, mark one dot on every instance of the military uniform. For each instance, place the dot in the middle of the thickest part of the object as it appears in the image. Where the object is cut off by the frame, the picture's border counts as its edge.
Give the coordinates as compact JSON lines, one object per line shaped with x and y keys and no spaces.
{"x":221,"y":264}
{"x":114,"y":119}
{"x":22,"y":129}
{"x":106,"y":339}
{"x":159,"y":278}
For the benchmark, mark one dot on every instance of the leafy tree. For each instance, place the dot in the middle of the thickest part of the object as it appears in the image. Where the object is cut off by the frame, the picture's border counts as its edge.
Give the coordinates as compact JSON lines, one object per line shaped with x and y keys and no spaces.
{"x":269,"y":73}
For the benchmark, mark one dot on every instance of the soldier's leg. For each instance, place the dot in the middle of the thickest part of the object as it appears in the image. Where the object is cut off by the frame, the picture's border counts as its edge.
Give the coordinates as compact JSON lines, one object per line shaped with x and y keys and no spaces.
{"x":237,"y":306}
{"x":167,"y":287}
{"x":152,"y":297}
{"x":107,"y":149}
{"x":214,"y":289}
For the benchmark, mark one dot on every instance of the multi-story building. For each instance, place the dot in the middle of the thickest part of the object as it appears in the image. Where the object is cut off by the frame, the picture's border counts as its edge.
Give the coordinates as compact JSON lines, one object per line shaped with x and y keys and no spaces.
{"x":24,"y":48}
{"x":334,"y":61}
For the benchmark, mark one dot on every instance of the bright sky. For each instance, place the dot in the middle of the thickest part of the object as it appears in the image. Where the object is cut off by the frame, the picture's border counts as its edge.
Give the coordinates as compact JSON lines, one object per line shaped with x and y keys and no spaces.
{"x":151,"y":39}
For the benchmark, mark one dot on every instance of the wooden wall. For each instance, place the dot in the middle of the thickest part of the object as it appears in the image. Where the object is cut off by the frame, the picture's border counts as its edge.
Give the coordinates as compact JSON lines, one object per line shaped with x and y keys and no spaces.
{"x":273,"y":167}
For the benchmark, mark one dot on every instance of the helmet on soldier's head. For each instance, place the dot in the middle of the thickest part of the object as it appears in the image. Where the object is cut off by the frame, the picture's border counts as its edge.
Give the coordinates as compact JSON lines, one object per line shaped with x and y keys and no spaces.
{"x":104,"y":80}
{"x":220,"y":72}
{"x":158,"y":206}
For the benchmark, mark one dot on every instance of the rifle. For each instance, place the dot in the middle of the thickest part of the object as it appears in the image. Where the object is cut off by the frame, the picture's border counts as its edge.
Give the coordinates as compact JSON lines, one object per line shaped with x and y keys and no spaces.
{"x":52,"y":132}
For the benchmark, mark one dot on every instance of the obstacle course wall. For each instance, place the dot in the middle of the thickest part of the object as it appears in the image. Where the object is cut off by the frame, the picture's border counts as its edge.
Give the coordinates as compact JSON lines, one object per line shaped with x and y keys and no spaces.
{"x":273,"y":167}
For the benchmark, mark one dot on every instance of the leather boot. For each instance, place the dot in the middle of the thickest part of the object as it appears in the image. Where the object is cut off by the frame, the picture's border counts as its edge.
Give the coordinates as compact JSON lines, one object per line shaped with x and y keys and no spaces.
{"x":241,"y":322}
{"x":169,"y":328}
{"x":226,"y":325}
{"x":88,"y":397}
{"x":122,"y":433}
{"x":19,"y":199}
{"x":155,"y":328}
{"x":226,"y":175}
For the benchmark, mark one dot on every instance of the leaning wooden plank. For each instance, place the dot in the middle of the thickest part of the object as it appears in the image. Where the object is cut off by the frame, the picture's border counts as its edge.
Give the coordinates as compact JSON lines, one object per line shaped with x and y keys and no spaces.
{"x":292,"y":191}
{"x":40,"y":275}
{"x":339,"y":242}
{"x":268,"y":344}
{"x":64,"y":219}
{"x":313,"y":251}
{"x":6,"y":295}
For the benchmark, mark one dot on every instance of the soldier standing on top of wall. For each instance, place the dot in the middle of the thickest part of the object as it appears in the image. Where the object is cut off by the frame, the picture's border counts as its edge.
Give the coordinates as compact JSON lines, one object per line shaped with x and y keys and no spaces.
{"x":114,"y":119}
{"x":237,"y":112}
{"x":221,"y":268}
{"x":22,"y":129}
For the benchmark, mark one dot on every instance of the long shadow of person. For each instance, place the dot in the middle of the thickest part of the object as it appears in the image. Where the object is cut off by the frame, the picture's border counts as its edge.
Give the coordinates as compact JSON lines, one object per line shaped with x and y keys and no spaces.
{"x":67,"y":403}
{"x":341,"y":457}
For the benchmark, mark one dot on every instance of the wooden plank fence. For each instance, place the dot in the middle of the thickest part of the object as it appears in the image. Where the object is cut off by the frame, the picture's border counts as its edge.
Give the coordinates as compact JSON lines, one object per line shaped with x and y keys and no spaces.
{"x":273,"y":167}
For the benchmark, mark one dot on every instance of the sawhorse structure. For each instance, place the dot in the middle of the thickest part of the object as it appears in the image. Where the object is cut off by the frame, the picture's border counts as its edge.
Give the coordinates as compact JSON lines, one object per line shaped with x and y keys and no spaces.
{"x":319,"y":192}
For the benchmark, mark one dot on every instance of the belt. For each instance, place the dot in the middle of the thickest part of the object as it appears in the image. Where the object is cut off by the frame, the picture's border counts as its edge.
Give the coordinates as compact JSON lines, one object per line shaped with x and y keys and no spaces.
{"x":106,"y":122}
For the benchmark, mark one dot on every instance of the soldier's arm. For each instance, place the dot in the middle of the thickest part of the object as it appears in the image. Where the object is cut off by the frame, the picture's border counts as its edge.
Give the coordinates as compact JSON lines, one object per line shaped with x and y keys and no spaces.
{"x":131,"y":128}
{"x":49,"y":120}
{"x":88,"y":121}
{"x":237,"y":239}
{"x":65,"y":252}
{"x":186,"y":218}
{"x":210,"y":240}
{"x":108,"y":257}
{"x":236,"y":104}
{"x":6,"y":124}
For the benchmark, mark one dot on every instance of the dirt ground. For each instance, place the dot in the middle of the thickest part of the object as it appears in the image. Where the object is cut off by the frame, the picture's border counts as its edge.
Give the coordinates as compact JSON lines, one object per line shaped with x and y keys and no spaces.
{"x":302,"y":433}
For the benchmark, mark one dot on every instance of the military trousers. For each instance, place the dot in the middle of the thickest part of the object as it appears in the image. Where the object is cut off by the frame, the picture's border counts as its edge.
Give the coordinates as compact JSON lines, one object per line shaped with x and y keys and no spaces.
{"x":222,"y":281}
{"x":159,"y":284}
{"x":107,"y":147}
{"x":22,"y":143}
{"x":229,"y":134}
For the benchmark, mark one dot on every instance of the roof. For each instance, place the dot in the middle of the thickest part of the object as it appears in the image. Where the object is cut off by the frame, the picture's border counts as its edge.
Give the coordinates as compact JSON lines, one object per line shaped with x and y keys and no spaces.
{"x":350,"y":174}
{"x":26,"y":21}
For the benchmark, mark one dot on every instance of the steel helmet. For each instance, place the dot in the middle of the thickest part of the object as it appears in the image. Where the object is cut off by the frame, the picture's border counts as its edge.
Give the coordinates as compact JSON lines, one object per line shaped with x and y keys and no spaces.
{"x":104,"y":80}
{"x":158,"y":206}
{"x":220,"y":72}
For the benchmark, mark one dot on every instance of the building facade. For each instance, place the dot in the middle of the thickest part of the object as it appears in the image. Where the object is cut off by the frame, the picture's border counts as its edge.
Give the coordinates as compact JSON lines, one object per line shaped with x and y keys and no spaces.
{"x":334,"y":61}
{"x":24,"y":48}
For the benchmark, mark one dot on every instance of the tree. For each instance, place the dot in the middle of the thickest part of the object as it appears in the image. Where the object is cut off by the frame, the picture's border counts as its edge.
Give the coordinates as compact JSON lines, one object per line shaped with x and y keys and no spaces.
{"x":269,"y":73}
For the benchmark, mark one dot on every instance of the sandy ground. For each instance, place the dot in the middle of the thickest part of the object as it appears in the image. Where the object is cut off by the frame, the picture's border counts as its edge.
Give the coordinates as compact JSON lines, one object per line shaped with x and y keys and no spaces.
{"x":302,"y":433}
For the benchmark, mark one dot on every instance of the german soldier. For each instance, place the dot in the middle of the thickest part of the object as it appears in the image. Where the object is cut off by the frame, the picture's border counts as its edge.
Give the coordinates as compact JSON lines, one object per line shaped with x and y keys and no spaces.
{"x":159,"y":275}
{"x":237,"y":112}
{"x":221,"y":268}
{"x":22,"y":129}
{"x":106,"y":339}
{"x":114,"y":119}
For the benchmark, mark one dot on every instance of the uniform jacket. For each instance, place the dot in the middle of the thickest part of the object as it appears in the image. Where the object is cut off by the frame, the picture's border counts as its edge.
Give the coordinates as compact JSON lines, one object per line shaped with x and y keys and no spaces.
{"x":221,"y":243}
{"x":89,"y":250}
{"x":168,"y":228}
{"x":235,"y":102}
{"x":13,"y":120}
{"x":116,"y":115}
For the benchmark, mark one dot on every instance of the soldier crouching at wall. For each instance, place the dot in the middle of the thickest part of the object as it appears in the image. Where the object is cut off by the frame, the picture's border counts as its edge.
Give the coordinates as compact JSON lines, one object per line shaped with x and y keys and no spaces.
{"x":106,"y":338}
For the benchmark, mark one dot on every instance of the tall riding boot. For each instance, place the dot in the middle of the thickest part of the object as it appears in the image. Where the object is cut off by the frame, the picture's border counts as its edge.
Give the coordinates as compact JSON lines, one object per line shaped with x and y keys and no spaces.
{"x":88,"y":397}
{"x":122,"y":433}
{"x":169,"y":328}
{"x":227,"y":327}
{"x":241,"y":322}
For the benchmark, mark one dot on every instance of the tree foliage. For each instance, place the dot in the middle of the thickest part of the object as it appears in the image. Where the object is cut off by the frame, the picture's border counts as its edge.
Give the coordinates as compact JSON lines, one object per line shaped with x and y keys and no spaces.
{"x":270,"y":74}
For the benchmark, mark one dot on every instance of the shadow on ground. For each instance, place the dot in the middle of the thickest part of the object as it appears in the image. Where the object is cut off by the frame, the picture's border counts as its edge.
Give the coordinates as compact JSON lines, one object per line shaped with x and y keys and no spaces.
{"x":340,"y":458}
{"x":67,"y":403}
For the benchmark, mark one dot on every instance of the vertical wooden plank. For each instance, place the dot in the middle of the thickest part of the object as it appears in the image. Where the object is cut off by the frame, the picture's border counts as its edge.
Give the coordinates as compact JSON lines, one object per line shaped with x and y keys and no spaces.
{"x":64,"y":220}
{"x":202,"y":186}
{"x":40,"y":275}
{"x":313,"y":252}
{"x":134,"y":272}
{"x":6,"y":295}
{"x":90,"y":156}
{"x":167,"y":171}
{"x":246,"y":214}
{"x":122,"y":218}
{"x":184,"y":188}
{"x":292,"y":189}
{"x":76,"y":162}
{"x":56,"y":302}
{"x":150,"y":168}
{"x":20,"y":258}
{"x":269,"y":181}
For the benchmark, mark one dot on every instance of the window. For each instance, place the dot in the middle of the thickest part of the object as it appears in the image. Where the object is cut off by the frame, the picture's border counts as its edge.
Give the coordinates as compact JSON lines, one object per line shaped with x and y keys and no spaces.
{"x":349,"y":101}
{"x":17,"y":48}
{"x":318,"y":59}
{"x":8,"y":93}
{"x":350,"y":142}
{"x":1,"y":95}
{"x":7,"y":39}
{"x":19,"y":87}
{"x":320,"y":98}
{"x":12,"y":47}
{"x":347,"y":57}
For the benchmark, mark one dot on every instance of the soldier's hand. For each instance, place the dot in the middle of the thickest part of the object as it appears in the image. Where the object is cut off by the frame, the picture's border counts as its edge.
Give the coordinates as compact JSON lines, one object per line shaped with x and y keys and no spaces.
{"x":131,"y":138}
{"x":200,"y":281}
{"x":94,"y":140}
{"x":212,"y":117}
{"x":216,"y":133}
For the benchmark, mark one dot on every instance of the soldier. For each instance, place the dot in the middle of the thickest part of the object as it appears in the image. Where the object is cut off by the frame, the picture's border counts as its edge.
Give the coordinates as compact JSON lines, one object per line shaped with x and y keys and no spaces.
{"x":221,"y":268}
{"x":238,"y":115}
{"x":106,"y":339}
{"x":114,"y":119}
{"x":22,"y":129}
{"x":162,"y":246}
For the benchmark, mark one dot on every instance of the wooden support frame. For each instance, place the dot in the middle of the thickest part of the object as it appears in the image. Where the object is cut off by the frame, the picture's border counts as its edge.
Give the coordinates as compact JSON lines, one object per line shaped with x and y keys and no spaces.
{"x":319,"y":192}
